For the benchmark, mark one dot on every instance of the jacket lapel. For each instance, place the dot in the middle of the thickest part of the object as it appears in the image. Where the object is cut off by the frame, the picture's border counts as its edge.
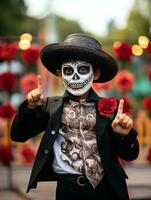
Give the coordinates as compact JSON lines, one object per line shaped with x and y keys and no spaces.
{"x":54,"y":108}
{"x":101,"y":123}
{"x":51,"y":131}
{"x":55,"y":112}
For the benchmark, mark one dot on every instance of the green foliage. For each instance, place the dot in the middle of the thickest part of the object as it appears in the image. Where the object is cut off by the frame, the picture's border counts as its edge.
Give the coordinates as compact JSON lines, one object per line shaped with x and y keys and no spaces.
{"x":137,"y":24}
{"x":66,"y":27}
{"x":14,"y":20}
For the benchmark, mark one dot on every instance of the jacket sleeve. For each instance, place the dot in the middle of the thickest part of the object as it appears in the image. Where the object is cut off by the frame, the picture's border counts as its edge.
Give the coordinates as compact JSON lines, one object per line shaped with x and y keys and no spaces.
{"x":28,"y":122}
{"x":126,"y":148}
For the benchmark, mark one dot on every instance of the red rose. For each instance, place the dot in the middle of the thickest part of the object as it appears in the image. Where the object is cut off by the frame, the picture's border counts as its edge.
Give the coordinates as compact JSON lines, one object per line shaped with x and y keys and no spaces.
{"x":7,"y":111}
{"x":149,"y":155}
{"x":147,"y":103}
{"x":6,"y":155}
{"x":1,"y":50}
{"x":28,"y":82}
{"x":28,"y":154}
{"x":7,"y":81}
{"x":127,"y":104}
{"x":149,"y":48}
{"x":8,"y":51}
{"x":31,"y":55}
{"x":124,"y":81}
{"x":123,"y":51}
{"x":107,"y":106}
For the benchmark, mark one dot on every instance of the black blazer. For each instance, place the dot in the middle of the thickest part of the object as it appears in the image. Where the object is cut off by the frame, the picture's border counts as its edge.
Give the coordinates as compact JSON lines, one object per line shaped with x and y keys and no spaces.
{"x":30,"y":122}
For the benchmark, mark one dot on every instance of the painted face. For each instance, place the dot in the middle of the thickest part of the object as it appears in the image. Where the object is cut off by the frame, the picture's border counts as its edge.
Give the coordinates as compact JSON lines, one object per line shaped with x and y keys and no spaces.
{"x":77,"y":77}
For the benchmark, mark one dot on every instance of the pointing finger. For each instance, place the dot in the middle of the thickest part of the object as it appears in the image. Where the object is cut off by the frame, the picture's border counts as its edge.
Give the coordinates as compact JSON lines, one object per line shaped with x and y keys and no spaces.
{"x":39,"y":83}
{"x":120,"y":107}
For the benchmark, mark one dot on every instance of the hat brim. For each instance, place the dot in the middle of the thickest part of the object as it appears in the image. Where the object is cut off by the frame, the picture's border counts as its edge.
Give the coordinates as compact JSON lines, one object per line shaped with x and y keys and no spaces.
{"x":53,"y":56}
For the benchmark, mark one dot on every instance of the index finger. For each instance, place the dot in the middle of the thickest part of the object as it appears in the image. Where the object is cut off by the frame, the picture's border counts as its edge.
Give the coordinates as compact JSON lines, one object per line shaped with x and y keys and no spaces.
{"x":39,"y":83}
{"x":120,"y":107}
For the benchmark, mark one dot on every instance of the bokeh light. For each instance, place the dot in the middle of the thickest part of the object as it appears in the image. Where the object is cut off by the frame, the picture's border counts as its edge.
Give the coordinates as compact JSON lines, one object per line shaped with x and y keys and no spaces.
{"x":24,"y":44}
{"x":26,"y":36}
{"x":116,"y":44}
{"x":143,"y":41}
{"x":137,"y":50}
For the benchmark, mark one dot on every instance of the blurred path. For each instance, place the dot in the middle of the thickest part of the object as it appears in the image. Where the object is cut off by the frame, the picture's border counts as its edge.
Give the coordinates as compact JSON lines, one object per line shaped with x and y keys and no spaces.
{"x":139,"y":184}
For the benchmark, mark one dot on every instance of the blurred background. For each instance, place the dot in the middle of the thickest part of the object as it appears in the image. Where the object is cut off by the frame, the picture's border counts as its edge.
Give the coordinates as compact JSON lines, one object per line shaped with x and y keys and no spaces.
{"x":124,"y":30}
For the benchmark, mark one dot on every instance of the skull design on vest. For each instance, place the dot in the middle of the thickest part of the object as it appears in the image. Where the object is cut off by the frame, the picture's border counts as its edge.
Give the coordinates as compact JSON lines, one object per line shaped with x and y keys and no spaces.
{"x":77,"y":77}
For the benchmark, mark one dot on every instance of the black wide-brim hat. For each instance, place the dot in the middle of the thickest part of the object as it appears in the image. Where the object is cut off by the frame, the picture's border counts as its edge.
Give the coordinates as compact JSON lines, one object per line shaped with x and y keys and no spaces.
{"x":78,"y":46}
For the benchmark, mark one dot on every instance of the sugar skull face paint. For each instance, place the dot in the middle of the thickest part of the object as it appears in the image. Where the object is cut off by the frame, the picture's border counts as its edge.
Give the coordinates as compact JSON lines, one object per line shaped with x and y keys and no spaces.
{"x":77,"y":77}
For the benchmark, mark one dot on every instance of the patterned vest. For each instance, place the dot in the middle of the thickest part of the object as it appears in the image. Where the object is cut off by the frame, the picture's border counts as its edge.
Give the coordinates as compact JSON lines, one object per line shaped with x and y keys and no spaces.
{"x":79,"y":147}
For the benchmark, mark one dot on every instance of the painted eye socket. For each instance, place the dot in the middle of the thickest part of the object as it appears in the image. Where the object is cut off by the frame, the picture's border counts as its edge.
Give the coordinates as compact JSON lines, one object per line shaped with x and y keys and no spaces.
{"x":68,"y":71}
{"x":84,"y":69}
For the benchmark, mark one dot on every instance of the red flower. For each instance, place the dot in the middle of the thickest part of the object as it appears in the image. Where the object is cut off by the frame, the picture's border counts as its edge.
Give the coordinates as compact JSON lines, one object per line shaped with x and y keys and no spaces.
{"x":7,"y":111}
{"x":28,"y":154}
{"x":149,"y":155}
{"x":149,"y":48}
{"x":8,"y":51}
{"x":6,"y":155}
{"x":31,"y":55}
{"x":124,"y":81}
{"x":147,"y":103}
{"x":28,"y":82}
{"x":123,"y":51}
{"x":7,"y":81}
{"x":127,"y":104}
{"x":149,"y":75}
{"x":107,"y":106}
{"x":1,"y":50}
{"x":101,"y":86}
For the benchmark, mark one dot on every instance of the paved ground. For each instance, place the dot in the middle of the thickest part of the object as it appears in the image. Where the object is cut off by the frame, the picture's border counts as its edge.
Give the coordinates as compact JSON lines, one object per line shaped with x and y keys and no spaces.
{"x":139,"y":184}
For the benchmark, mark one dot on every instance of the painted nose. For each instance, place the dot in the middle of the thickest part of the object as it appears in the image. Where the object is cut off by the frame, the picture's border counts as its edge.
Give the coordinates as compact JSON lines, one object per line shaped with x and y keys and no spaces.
{"x":76,"y":77}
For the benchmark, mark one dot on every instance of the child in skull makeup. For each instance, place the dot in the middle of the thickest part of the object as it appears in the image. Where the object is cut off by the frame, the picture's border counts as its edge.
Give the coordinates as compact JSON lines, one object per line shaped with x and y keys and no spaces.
{"x":81,"y":143}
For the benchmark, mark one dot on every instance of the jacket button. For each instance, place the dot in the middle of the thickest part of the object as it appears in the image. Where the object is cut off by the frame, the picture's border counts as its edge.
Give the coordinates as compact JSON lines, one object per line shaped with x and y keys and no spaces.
{"x":46,"y":151}
{"x":53,"y":132}
{"x":132,"y":145}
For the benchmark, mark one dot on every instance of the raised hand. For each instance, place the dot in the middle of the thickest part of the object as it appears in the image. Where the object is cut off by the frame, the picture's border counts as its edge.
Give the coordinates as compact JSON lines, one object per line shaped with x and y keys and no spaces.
{"x":122,"y":123}
{"x":35,"y":97}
